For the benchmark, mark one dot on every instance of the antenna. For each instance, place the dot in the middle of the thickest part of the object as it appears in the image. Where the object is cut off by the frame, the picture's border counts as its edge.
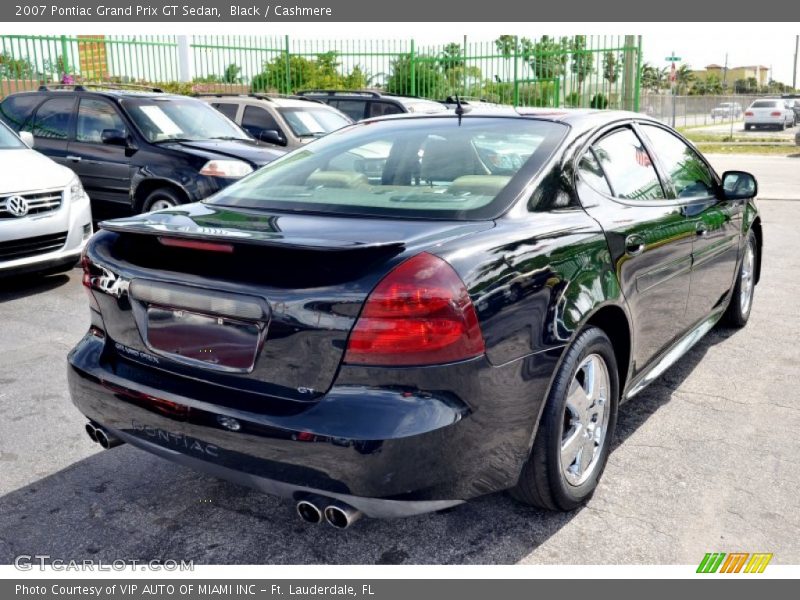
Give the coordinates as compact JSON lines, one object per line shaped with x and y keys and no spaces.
{"x":459,"y":110}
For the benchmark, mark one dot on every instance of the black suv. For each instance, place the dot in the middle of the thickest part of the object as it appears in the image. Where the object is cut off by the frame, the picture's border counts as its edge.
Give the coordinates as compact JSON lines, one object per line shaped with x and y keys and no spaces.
{"x":136,"y":149}
{"x":365,"y":104}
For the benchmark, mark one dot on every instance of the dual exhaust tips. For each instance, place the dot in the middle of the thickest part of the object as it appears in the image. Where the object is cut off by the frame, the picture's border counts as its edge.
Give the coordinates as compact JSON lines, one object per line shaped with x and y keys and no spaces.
{"x":337,"y":514}
{"x":102,"y":436}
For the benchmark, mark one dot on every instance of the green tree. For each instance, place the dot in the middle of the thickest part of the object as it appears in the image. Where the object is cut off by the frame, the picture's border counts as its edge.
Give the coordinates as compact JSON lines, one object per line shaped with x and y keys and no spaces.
{"x":547,"y":56}
{"x":15,"y":68}
{"x":429,"y":81}
{"x":507,"y":46}
{"x":232,"y":74}
{"x":582,"y":64}
{"x":684,"y":77}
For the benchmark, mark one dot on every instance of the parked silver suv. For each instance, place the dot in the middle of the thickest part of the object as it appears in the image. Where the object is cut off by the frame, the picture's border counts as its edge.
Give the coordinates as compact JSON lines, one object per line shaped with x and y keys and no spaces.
{"x":288,"y":121}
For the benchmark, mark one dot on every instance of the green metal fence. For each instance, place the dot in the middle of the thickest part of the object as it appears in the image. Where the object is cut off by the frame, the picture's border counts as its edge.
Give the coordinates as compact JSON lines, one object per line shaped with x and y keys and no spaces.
{"x":580,"y":71}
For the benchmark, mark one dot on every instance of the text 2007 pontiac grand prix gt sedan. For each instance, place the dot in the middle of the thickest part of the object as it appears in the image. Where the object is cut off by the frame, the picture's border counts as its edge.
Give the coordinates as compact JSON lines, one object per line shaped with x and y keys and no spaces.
{"x":417,"y":310}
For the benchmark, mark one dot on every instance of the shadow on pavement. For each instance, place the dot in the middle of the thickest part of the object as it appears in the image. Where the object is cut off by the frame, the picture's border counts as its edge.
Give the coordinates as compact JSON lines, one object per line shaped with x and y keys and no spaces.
{"x":126,"y":504}
{"x":21,"y":286}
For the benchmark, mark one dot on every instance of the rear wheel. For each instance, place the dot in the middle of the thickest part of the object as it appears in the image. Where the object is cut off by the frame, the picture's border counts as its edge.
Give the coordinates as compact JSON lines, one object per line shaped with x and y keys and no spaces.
{"x":573,"y":441}
{"x":741,"y":302}
{"x":747,"y":127}
{"x":160,"y":199}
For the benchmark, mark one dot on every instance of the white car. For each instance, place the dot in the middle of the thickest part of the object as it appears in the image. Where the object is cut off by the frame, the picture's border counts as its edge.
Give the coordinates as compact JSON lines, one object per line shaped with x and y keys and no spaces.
{"x":45,"y":218}
{"x":769,"y":112}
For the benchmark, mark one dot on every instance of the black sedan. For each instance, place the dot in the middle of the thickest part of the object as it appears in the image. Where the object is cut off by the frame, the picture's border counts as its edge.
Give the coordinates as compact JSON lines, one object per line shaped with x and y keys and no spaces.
{"x":416,"y":310}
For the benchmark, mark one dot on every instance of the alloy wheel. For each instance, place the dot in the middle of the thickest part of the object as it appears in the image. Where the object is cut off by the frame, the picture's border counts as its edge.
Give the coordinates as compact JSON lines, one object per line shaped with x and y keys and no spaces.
{"x":585,"y":420}
{"x":747,"y":278}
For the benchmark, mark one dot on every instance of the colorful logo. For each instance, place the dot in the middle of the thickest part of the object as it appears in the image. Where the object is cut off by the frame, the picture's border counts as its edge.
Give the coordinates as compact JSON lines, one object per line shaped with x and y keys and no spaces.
{"x":735,"y":562}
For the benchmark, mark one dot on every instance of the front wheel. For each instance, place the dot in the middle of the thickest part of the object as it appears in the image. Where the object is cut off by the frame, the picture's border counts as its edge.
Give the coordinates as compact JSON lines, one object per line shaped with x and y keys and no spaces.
{"x":741,"y":302}
{"x":160,"y":199}
{"x":573,"y":441}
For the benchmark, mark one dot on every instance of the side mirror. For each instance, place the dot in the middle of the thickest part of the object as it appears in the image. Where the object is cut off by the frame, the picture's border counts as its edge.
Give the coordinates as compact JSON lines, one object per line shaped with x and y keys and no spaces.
{"x":738,"y":185}
{"x":114,"y":137}
{"x":272,"y":136}
{"x":27,"y":138}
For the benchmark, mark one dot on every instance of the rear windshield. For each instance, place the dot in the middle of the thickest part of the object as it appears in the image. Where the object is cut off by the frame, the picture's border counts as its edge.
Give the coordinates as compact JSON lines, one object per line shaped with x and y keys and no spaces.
{"x":764,"y":104}
{"x":424,"y":167}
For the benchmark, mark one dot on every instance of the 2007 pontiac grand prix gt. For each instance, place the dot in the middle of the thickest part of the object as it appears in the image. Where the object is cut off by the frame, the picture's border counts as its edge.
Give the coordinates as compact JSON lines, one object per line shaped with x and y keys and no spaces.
{"x":417,"y":310}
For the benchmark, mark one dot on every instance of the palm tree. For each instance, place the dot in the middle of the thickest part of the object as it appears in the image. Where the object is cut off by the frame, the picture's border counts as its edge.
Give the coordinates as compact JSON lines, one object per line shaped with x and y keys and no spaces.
{"x":684,"y":78}
{"x":507,"y":46}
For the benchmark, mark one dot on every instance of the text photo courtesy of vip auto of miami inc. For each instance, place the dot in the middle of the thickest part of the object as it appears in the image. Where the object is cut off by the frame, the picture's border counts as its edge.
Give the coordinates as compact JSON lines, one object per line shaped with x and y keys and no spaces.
{"x":368,"y":294}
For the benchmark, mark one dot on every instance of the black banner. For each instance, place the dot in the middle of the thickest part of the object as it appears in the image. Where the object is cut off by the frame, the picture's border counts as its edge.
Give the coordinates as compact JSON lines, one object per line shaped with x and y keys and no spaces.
{"x":260,"y":11}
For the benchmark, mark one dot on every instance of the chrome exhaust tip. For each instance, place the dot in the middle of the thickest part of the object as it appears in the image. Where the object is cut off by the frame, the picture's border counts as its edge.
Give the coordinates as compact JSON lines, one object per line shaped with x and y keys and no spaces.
{"x":308,"y":511}
{"x":341,"y":516}
{"x":104,"y":438}
{"x":91,"y":431}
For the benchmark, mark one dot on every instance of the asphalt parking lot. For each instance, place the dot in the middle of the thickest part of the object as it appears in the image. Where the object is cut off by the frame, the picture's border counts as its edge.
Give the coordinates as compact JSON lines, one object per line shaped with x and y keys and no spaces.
{"x":705,"y":459}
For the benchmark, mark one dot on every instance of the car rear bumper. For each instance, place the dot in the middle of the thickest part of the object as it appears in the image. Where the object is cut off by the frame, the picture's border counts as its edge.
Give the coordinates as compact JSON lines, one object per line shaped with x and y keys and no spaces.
{"x":388,"y":450}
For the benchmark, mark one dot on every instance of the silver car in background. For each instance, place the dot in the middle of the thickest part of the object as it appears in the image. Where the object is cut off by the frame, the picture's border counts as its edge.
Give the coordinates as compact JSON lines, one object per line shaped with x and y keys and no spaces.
{"x":45,"y":218}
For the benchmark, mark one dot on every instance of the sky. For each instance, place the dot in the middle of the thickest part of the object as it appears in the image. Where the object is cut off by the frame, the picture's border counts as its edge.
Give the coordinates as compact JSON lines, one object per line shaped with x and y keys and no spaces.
{"x":773,"y":50}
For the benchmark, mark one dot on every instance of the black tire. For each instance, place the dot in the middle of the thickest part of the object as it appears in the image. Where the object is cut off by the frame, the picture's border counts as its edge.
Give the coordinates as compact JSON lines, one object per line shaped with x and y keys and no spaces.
{"x":543,"y":482}
{"x":161,"y":196}
{"x":747,"y":127}
{"x":737,"y":314}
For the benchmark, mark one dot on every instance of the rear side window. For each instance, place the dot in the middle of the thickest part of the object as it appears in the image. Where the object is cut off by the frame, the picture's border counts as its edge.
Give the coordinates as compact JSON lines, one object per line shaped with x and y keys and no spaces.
{"x":378,"y":109}
{"x":15,"y":110}
{"x":628,"y":167}
{"x":255,"y":120}
{"x":590,"y":171}
{"x":690,"y":176}
{"x":227,"y":109}
{"x":96,"y":116}
{"x":52,"y":119}
{"x":352,"y":108}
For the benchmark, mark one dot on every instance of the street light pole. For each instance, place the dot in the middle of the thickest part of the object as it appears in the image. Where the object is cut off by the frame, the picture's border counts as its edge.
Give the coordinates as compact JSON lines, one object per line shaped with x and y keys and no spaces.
{"x":794,"y":73}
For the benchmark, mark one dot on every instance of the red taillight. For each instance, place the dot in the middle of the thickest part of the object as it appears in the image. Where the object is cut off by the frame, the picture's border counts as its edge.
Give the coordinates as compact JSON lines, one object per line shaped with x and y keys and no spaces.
{"x":748,"y":113}
{"x":775,"y":114}
{"x":196,"y":245}
{"x":419,"y":314}
{"x":87,"y":281}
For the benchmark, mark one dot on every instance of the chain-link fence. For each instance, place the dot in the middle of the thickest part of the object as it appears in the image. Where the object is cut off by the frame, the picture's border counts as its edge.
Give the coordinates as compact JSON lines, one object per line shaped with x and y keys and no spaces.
{"x":695,"y":111}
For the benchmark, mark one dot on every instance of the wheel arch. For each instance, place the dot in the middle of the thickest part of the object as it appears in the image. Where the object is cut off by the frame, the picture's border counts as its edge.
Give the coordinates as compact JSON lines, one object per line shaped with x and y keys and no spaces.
{"x":148,"y":186}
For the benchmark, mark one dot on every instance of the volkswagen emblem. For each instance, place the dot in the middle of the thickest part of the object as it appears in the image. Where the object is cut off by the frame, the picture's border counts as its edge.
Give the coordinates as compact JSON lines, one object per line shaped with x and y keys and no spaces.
{"x":17,"y":206}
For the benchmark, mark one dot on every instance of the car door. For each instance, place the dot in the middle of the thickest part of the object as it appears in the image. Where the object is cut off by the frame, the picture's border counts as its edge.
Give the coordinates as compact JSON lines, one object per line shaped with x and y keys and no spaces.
{"x":104,"y":168}
{"x":717,"y":223}
{"x":649,"y":236}
{"x":51,"y":126}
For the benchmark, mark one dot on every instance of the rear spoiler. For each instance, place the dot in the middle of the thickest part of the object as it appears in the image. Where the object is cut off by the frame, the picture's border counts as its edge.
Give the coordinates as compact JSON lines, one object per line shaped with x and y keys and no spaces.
{"x":254,"y":238}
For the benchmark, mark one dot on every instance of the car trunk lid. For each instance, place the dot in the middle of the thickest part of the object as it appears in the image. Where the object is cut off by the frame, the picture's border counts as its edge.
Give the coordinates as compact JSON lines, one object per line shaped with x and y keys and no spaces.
{"x":264,"y":303}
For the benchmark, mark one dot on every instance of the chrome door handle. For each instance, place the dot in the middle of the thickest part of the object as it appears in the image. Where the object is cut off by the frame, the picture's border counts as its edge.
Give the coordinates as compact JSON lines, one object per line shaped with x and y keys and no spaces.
{"x":74,"y":158}
{"x":634,"y":245}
